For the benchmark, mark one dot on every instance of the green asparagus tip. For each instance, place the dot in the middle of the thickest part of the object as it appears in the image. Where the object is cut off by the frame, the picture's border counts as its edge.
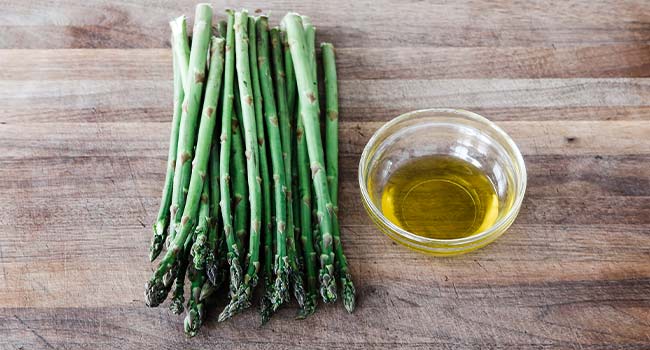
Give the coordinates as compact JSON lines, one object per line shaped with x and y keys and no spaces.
{"x":280,"y":289}
{"x":298,"y":288}
{"x":266,"y":310}
{"x":212,"y":270}
{"x":157,"y":241}
{"x":349,"y":293}
{"x":155,"y":293}
{"x":328,"y":285}
{"x":199,"y":250}
{"x":176,"y":305}
{"x":207,"y":290}
{"x":311,"y":299}
{"x":192,"y":321}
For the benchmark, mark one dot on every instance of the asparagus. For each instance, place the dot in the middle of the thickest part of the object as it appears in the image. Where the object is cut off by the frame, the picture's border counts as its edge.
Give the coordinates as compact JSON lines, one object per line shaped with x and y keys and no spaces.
{"x":195,"y":307}
{"x":305,"y":222}
{"x":332,"y":147}
{"x":200,"y":247}
{"x":191,"y":103}
{"x":238,"y":173}
{"x":155,"y":285}
{"x":224,"y":158}
{"x":178,"y":298}
{"x":280,"y":292}
{"x":181,"y":47}
{"x":309,"y":110}
{"x":211,"y":261}
{"x":285,"y":134}
{"x":290,"y":74}
{"x":252,"y":155}
{"x":263,"y":161}
{"x":222,"y":28}
{"x":162,"y":221}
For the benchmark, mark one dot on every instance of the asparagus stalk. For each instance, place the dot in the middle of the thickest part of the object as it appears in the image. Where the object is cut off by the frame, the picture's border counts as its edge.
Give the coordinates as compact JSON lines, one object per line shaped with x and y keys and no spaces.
{"x":194,"y":317}
{"x":211,"y":261}
{"x":309,"y":110}
{"x":162,"y":221}
{"x":181,"y":47}
{"x":252,"y":155}
{"x":200,"y":247}
{"x":285,"y":134}
{"x":280,"y":289}
{"x":155,"y":286}
{"x":290,"y":74}
{"x":307,"y":236}
{"x":238,"y":173}
{"x":263,"y":162}
{"x":191,"y":103}
{"x":224,"y":158}
{"x":332,"y":153}
{"x":178,"y":298}
{"x":310,"y":256}
{"x":195,"y":307}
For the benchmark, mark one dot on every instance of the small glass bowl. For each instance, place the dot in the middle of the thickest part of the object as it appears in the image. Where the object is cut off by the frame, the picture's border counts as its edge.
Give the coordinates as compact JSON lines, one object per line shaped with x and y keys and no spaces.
{"x":446,"y":132}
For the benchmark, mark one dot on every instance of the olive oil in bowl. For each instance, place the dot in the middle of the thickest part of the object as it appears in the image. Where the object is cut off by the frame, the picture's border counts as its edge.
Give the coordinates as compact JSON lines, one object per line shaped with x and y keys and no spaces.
{"x":441,"y":197}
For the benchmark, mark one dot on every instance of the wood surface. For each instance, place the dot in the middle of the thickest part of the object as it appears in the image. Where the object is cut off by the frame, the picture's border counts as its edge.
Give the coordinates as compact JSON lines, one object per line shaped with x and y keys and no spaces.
{"x":85,"y":106}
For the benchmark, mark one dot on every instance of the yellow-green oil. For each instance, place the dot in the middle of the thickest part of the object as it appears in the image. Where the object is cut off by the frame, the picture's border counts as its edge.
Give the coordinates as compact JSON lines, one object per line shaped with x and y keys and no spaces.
{"x":440,"y":197}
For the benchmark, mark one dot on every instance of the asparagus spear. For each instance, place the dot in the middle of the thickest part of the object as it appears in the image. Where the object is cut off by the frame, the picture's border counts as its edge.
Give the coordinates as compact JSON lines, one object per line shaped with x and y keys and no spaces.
{"x":309,"y":109}
{"x":290,"y":74}
{"x":264,"y":166}
{"x":162,"y":221}
{"x":200,"y":247}
{"x":224,"y":158}
{"x":181,"y":47}
{"x":195,"y":307}
{"x":310,"y":256}
{"x":193,"y":92}
{"x":332,"y":153}
{"x":211,"y":261}
{"x":238,"y":173}
{"x":285,"y":133}
{"x":178,"y":298}
{"x":155,"y":285}
{"x":280,"y":289}
{"x":252,"y":155}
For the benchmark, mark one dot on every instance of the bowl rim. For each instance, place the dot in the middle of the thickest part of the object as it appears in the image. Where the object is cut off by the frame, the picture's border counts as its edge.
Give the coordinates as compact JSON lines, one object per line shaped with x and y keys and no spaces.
{"x":497,"y":227}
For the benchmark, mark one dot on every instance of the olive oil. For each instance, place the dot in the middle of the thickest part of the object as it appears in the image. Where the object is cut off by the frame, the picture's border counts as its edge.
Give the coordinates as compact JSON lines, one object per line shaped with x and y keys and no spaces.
{"x":440,"y":197}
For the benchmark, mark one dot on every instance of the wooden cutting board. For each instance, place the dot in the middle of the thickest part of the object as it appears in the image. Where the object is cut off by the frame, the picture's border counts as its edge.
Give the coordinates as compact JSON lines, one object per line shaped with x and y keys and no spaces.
{"x":85,"y":107}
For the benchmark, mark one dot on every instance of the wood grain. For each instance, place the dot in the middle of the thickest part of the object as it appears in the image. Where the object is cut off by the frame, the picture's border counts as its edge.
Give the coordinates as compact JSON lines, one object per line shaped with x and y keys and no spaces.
{"x":85,"y":105}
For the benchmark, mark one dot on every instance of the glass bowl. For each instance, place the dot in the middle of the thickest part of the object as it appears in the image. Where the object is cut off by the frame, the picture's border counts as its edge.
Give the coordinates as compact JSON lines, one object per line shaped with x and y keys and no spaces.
{"x":445,"y":132}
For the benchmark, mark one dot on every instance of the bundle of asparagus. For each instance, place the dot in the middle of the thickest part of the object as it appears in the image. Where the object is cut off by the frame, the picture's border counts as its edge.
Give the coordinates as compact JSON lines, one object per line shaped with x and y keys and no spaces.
{"x":230,"y":214}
